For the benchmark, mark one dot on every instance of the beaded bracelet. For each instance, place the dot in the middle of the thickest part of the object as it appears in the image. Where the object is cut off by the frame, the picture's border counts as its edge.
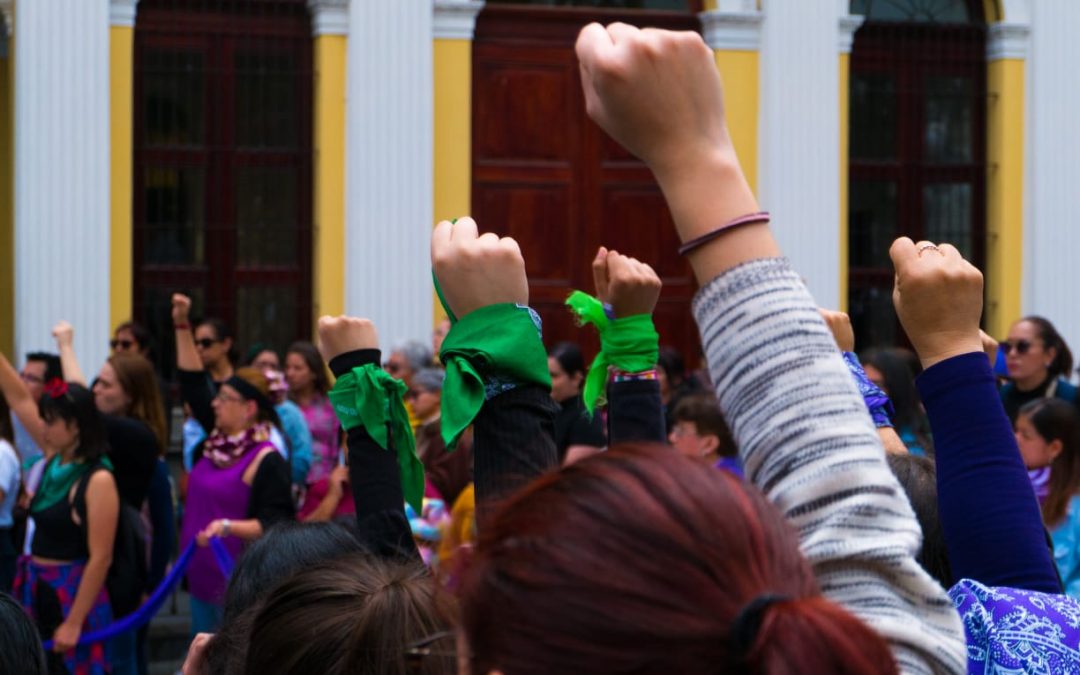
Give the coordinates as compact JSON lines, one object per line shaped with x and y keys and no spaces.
{"x":645,"y":375}
{"x":748,"y":219}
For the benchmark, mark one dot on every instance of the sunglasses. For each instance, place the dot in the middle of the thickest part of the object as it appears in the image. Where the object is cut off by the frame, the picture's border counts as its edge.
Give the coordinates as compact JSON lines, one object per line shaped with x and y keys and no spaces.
{"x":31,"y":379}
{"x":1021,"y":346}
{"x":206,"y":343}
{"x":121,"y":344}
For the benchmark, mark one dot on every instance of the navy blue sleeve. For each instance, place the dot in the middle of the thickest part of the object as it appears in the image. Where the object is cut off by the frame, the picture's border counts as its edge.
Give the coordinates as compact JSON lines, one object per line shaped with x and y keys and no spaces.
{"x":635,"y":412}
{"x":163,"y":521}
{"x":991,"y":520}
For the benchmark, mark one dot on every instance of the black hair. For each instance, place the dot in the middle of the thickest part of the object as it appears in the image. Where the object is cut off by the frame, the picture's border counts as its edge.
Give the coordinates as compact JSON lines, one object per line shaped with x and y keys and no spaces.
{"x":138,"y":331}
{"x":674,"y":367}
{"x":569,"y":357}
{"x":7,"y":431}
{"x":1062,"y":364}
{"x":53,"y":368}
{"x":77,"y":405}
{"x":20,"y":644}
{"x":255,"y":350}
{"x":900,"y":386}
{"x":221,"y":333}
{"x":918,"y":477}
{"x":286,"y":548}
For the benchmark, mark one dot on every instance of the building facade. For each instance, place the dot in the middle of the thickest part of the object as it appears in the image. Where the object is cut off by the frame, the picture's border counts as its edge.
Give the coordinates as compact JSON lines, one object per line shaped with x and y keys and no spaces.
{"x":283,"y":159}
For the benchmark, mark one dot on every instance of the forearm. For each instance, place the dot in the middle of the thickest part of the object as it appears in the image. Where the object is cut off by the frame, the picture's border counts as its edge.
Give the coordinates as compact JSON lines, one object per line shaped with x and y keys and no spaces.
{"x":635,"y":412}
{"x":21,"y":403}
{"x":513,"y":442}
{"x":248,"y":529}
{"x":702,"y":196}
{"x":326,"y":508}
{"x":807,"y":441}
{"x":187,"y":356}
{"x":93,"y":578}
{"x":984,"y":494}
{"x":69,"y":364}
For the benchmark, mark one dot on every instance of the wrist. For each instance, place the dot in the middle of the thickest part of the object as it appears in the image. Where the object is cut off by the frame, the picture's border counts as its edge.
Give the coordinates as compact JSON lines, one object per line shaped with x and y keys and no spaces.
{"x":226,"y":526}
{"x":182,"y":325}
{"x":940,"y":351}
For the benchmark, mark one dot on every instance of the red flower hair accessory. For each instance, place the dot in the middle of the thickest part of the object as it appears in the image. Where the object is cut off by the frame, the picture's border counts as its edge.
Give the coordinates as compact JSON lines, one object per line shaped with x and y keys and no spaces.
{"x":56,"y":388}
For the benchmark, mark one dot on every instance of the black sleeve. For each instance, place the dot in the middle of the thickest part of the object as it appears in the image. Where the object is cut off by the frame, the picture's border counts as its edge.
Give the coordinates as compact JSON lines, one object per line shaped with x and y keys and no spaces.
{"x":375,"y":480}
{"x":635,"y":412}
{"x":587,"y":430}
{"x":133,"y":451}
{"x":197,"y":390}
{"x":514,"y":442}
{"x":271,"y":493}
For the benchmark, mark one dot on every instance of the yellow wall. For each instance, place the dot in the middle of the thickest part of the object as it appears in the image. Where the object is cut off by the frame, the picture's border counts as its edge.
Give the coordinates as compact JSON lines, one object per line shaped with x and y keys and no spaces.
{"x":329,"y":179}
{"x":1004,"y":193}
{"x":453,"y":135}
{"x":845,"y":73}
{"x":7,"y":208}
{"x":121,"y":119}
{"x":739,"y":73}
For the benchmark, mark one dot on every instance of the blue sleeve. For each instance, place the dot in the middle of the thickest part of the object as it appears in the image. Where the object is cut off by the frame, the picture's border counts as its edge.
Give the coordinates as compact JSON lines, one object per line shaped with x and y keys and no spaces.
{"x":1067,"y":548}
{"x":296,"y":428}
{"x":989,"y":515}
{"x":163,"y":520}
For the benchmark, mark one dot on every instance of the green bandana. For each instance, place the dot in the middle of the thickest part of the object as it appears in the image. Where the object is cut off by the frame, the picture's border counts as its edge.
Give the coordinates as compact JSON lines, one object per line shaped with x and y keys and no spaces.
{"x":630,"y":344}
{"x":57,"y":480}
{"x":371,"y":398}
{"x":498,"y":341}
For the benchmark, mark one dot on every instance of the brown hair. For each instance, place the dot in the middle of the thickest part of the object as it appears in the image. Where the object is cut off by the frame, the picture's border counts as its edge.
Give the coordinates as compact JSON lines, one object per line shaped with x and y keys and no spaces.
{"x":1056,"y":420}
{"x":356,"y":614}
{"x":1062,"y":364}
{"x":314,"y":361}
{"x":704,"y":412}
{"x":136,"y":377}
{"x":641,"y":560}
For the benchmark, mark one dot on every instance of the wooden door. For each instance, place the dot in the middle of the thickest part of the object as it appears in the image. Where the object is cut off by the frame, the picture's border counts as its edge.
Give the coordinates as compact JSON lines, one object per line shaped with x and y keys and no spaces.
{"x":544,"y":174}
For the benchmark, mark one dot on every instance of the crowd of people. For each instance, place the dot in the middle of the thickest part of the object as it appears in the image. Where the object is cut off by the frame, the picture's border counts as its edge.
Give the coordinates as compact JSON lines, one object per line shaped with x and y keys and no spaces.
{"x":492,"y":505}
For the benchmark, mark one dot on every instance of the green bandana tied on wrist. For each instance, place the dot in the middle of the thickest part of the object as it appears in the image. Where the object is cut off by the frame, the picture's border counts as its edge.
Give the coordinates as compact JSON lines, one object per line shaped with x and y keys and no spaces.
{"x":497,"y":340}
{"x":630,"y":344}
{"x":369,"y":397}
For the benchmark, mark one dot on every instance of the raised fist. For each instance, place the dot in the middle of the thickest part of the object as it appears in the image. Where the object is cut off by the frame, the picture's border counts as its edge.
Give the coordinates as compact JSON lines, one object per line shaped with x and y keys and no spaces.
{"x":342,"y":334}
{"x":476,"y":270}
{"x":631,"y":287}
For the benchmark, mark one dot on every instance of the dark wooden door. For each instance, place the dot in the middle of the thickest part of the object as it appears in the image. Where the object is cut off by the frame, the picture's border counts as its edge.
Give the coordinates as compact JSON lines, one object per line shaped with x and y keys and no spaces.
{"x":544,"y":174}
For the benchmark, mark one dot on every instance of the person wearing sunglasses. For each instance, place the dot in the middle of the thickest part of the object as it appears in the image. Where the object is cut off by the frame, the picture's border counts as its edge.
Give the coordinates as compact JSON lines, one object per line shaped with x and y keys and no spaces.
{"x":239,"y":485}
{"x":1039,"y":363}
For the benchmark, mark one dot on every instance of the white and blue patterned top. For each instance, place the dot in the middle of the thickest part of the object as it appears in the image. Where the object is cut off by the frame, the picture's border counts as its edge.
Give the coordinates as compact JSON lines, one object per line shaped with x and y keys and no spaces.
{"x":1015,"y":631}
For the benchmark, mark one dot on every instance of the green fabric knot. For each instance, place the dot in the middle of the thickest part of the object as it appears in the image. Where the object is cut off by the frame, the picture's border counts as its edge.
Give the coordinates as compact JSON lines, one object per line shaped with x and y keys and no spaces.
{"x":368,"y":396}
{"x":497,"y":340}
{"x":630,"y":344}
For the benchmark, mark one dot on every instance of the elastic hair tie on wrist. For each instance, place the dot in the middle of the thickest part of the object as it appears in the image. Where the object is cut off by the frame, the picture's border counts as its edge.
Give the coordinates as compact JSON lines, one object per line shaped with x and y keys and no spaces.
{"x":748,"y":219}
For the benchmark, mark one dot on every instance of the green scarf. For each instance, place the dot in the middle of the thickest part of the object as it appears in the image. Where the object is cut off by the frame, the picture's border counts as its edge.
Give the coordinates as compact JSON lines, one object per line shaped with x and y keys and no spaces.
{"x":630,"y":344}
{"x":498,"y":341}
{"x":371,"y":398}
{"x":57,"y":479}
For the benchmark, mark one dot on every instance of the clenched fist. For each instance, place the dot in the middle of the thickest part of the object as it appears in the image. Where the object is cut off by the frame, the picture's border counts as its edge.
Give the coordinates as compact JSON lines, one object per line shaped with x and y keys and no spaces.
{"x":476,"y":270}
{"x":938,"y":297}
{"x":631,"y":287}
{"x":342,"y":334}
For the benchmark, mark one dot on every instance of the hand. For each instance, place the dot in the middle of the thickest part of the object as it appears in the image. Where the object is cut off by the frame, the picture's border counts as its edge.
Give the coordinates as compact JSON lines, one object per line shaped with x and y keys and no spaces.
{"x":629,"y":286}
{"x":339,"y":477}
{"x":656,"y":92}
{"x":181,"y":308}
{"x":64,"y":334}
{"x":216,"y":528}
{"x":840,"y":326}
{"x":66,"y":636}
{"x":195,"y":663}
{"x":938,"y":297}
{"x":476,"y":271}
{"x":342,"y":334}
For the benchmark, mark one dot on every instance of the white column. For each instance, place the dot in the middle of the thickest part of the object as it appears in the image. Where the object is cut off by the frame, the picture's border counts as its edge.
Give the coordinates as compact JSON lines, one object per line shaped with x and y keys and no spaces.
{"x":62,"y":175}
{"x":122,"y":12}
{"x":329,"y":17}
{"x":1051,"y":234}
{"x":799,"y":139}
{"x":455,"y":19}
{"x":389,"y":167}
{"x":735,"y":25}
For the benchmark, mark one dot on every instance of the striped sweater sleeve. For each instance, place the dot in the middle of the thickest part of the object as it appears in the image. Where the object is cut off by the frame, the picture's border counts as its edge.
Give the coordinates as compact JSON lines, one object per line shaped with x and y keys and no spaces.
{"x":807,"y":442}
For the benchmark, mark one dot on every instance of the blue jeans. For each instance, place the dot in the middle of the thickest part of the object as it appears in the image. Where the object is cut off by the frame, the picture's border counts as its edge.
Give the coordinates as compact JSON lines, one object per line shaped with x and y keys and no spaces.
{"x":205,"y":617}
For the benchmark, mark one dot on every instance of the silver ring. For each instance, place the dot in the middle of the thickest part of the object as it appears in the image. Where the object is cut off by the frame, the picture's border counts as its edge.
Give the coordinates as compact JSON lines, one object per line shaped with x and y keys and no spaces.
{"x":928,"y":247}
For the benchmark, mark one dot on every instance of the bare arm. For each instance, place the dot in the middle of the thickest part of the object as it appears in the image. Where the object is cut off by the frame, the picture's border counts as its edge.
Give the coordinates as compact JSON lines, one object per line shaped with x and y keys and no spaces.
{"x":187,"y":357}
{"x":65,"y":343}
{"x":103,"y":507}
{"x":18,"y":398}
{"x":329,"y":504}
